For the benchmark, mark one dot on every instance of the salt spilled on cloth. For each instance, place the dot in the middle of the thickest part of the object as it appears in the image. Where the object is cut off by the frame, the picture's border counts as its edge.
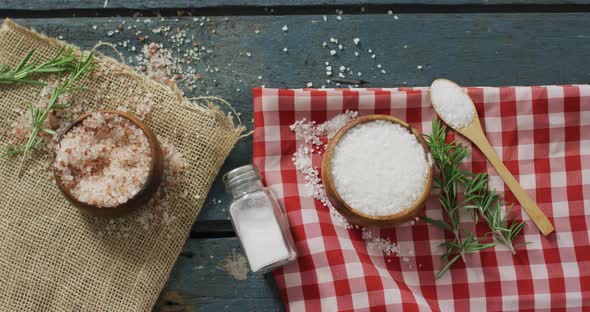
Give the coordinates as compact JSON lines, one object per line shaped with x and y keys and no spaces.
{"x":314,"y":137}
{"x":452,"y":103}
{"x":104,"y":161}
{"x":379,"y":168}
{"x":259,"y":232}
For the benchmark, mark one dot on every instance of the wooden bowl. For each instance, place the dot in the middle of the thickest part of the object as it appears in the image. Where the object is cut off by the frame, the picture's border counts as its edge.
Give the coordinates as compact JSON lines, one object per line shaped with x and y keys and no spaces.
{"x":145,"y":193}
{"x":355,"y":216}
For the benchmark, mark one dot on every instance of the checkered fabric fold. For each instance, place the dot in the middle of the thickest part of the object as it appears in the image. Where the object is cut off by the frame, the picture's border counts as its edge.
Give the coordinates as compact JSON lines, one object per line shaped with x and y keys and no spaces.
{"x":543,"y":136}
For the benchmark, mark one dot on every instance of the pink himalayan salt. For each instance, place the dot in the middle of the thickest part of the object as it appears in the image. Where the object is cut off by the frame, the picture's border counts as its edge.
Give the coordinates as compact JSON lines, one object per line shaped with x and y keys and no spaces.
{"x":104,"y":161}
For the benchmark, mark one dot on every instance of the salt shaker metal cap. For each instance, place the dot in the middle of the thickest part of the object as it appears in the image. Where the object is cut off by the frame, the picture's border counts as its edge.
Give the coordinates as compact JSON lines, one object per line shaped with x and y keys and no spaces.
{"x":240,"y":175}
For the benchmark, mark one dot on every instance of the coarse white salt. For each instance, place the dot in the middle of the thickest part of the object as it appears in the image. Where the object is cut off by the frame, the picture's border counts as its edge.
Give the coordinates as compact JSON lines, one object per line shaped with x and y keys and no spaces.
{"x":104,"y":161}
{"x":314,"y":141}
{"x":379,"y":168}
{"x":285,"y":28}
{"x":452,"y":103}
{"x":356,"y":41}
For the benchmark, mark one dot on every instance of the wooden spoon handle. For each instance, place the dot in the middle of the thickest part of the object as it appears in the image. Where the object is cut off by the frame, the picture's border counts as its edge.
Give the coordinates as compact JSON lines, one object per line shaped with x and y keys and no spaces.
{"x":525,"y":200}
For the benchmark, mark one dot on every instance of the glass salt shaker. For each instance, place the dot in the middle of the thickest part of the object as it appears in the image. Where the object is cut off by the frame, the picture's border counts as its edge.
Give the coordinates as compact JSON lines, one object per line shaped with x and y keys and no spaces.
{"x":258,"y":220}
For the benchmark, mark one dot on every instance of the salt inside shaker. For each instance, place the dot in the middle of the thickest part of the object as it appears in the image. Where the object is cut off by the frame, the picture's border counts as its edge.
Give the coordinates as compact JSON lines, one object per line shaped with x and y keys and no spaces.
{"x":258,"y":220}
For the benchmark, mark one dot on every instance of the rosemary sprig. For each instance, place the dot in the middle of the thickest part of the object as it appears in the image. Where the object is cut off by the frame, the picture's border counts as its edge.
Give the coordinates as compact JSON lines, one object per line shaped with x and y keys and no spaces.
{"x":487,"y":204}
{"x":447,"y":158}
{"x":39,"y":115}
{"x":479,"y":201}
{"x":62,"y":61}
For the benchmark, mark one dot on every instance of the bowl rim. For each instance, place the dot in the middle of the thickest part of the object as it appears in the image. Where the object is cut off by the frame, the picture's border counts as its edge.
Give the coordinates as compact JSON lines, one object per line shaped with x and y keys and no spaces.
{"x":152,"y":182}
{"x":355,"y":215}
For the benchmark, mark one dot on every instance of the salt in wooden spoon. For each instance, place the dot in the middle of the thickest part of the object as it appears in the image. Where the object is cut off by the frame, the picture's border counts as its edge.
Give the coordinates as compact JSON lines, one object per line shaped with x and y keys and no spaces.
{"x":445,"y":92}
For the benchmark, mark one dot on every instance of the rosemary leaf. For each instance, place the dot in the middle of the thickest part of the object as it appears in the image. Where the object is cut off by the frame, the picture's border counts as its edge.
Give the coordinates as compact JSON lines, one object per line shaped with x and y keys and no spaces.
{"x":62,"y":61}
{"x":480,"y":202}
{"x":447,"y":157}
{"x":59,"y":63}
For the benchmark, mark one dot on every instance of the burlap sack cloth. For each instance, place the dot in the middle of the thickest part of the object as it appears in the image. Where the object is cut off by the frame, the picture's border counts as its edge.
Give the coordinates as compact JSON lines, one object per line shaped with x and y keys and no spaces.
{"x":53,"y":258}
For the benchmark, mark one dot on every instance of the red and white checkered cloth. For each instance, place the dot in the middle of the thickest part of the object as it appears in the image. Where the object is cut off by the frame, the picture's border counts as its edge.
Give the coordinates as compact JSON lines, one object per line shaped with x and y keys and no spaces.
{"x":543,"y":136}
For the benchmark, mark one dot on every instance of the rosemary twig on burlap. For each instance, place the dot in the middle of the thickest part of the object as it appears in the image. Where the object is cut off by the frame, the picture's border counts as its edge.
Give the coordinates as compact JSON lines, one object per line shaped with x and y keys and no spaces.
{"x":61,"y":62}
{"x":479,"y":201}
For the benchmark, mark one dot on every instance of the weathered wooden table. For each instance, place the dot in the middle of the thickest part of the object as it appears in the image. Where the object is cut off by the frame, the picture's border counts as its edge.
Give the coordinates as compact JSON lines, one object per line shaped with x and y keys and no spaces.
{"x":474,"y":42}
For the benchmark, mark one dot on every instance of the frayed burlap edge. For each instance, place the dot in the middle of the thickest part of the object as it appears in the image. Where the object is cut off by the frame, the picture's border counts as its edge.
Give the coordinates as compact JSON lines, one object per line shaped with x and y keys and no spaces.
{"x":108,"y":62}
{"x":140,"y":296}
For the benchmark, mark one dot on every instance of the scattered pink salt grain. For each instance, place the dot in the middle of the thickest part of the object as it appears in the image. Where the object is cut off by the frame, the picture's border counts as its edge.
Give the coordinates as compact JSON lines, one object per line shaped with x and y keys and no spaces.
{"x":104,"y":161}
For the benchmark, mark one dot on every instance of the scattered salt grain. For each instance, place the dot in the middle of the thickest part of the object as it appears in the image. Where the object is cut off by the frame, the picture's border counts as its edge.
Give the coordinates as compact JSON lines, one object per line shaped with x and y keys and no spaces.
{"x":356,"y":53}
{"x":285,"y":28}
{"x":420,"y":67}
{"x":94,"y":27}
{"x":309,"y":84}
{"x":452,"y":103}
{"x":235,"y":265}
{"x":387,"y":176}
{"x":356,"y":41}
{"x":285,"y":50}
{"x":375,"y":242}
{"x":339,"y":17}
{"x":332,"y":52}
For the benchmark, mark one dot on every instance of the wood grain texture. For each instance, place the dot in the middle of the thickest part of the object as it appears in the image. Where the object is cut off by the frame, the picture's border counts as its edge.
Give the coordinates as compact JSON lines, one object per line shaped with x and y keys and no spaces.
{"x":197,"y":283}
{"x":472,"y":49}
{"x":199,"y":4}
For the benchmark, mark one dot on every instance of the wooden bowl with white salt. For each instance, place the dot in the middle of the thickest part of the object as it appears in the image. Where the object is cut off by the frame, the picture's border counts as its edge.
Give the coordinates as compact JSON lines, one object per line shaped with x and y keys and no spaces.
{"x":108,"y":163}
{"x":377,"y":171}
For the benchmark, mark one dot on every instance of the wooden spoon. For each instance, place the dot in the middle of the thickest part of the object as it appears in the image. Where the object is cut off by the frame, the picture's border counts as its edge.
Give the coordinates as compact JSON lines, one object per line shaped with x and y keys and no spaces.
{"x":475,"y":134}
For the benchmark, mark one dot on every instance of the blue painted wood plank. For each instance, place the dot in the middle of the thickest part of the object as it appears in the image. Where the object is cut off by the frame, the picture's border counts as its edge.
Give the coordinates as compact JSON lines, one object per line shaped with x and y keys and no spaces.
{"x":200,"y":4}
{"x":198,"y":283}
{"x":473,"y":49}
